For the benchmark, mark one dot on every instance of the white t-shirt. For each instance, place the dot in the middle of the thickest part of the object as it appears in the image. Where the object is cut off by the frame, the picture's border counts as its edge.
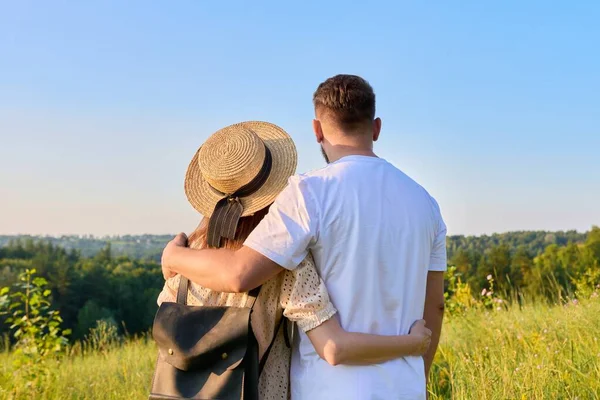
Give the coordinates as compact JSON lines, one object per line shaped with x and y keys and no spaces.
{"x":374,"y":234}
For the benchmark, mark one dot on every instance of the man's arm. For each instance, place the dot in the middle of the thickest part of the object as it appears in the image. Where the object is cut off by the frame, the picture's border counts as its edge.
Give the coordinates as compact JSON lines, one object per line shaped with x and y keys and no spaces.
{"x":222,"y":270}
{"x":433,"y":313}
{"x":281,"y":240}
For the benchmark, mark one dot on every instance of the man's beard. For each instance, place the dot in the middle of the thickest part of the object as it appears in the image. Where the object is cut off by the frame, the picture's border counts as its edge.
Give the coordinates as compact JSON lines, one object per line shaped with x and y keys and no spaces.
{"x":324,"y":155}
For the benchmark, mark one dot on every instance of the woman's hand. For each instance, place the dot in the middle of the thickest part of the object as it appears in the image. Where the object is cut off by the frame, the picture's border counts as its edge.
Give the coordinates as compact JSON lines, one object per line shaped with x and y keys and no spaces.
{"x":422,"y":336}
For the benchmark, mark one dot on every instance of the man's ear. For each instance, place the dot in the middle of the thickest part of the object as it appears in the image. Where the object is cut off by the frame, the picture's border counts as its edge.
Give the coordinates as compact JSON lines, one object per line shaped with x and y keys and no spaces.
{"x":376,"y":128}
{"x":318,"y":129}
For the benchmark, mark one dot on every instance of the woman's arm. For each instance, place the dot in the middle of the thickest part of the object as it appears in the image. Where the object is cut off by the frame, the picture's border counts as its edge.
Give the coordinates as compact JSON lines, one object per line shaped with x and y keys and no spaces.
{"x":169,"y":291}
{"x":337,"y":346}
{"x":305,"y":301}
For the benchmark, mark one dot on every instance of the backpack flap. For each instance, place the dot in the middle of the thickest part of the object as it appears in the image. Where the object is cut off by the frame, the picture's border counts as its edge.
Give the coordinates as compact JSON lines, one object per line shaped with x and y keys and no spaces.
{"x":193,"y":338}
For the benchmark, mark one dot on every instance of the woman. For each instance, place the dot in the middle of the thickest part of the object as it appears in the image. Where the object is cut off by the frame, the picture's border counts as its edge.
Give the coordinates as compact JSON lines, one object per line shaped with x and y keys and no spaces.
{"x":232,"y":180}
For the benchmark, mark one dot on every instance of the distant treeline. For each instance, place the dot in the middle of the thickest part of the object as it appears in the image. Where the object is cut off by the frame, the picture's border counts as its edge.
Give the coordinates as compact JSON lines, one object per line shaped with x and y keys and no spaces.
{"x":549,"y":264}
{"x":149,"y":247}
{"x":142,"y":247}
{"x":119,"y":278}
{"x":535,"y":242}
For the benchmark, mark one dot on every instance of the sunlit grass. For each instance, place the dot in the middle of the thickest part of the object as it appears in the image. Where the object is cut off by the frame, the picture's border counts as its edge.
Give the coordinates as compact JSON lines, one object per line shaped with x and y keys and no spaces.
{"x":123,"y":373}
{"x":537,"y":352}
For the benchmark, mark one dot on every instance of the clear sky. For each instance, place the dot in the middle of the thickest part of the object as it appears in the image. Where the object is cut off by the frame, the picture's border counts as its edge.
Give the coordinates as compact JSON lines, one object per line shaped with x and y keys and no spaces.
{"x":494,"y":107}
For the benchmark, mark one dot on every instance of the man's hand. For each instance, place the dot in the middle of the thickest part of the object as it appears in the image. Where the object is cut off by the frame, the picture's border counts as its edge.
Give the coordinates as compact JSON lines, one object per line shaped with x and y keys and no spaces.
{"x":166,"y":261}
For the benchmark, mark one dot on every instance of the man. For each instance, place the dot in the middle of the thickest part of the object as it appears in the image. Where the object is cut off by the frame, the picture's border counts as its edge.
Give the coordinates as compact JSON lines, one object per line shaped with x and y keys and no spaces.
{"x":377,"y":237}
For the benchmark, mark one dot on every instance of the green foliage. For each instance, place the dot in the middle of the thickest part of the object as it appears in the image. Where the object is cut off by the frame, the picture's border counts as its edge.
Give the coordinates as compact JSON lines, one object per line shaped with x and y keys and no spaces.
{"x":490,"y":299}
{"x":532,"y":351}
{"x":123,"y":372}
{"x":588,"y":283}
{"x":496,"y":344}
{"x":533,"y":242}
{"x":115,"y":278}
{"x":460,"y":300}
{"x":34,"y":325}
{"x":539,"y":265}
{"x":104,"y":290}
{"x":458,"y":297}
{"x":103,"y":337}
{"x":85,"y":290}
{"x":89,"y":316}
{"x":593,"y":242}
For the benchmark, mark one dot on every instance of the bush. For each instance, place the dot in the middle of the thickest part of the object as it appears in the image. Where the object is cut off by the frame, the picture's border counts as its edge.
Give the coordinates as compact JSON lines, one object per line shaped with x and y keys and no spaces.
{"x":104,"y":336}
{"x":35,"y":327}
{"x":457,"y":295}
{"x":88,"y":317}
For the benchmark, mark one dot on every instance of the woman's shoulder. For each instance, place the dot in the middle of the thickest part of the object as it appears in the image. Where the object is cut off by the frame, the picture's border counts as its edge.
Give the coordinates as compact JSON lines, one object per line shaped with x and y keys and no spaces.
{"x":308,"y":262}
{"x":305,"y":275}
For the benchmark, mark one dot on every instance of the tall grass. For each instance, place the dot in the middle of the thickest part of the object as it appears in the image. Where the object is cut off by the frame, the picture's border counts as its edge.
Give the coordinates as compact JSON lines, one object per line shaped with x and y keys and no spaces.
{"x":123,"y":373}
{"x":531,"y":352}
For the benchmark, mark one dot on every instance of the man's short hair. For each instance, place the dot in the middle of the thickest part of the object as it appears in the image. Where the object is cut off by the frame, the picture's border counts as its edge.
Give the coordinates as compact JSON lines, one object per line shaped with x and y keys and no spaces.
{"x":348,"y":100}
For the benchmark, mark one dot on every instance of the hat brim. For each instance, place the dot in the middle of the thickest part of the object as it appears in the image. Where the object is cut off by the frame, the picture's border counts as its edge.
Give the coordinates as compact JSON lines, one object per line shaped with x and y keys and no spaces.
{"x":204,"y":197}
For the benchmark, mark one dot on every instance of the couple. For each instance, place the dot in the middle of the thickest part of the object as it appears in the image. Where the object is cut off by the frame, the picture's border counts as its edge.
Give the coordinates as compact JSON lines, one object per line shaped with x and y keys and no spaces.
{"x":353,"y":253}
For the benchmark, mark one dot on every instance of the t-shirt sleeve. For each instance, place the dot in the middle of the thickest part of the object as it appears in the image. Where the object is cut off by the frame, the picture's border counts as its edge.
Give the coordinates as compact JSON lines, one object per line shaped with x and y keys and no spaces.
{"x":290,"y":227}
{"x":438,"y":260}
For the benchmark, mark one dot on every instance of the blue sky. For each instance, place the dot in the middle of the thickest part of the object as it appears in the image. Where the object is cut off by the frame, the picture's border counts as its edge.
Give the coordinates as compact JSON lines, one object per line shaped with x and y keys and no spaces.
{"x":494,"y":107}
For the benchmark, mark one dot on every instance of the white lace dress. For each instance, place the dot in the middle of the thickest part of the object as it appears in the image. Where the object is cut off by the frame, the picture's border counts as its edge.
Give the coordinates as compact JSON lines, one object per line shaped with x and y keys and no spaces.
{"x":300,"y":295}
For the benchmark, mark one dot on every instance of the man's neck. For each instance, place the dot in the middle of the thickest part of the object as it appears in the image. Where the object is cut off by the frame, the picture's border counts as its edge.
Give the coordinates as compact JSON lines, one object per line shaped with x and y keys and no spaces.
{"x":340,"y":151}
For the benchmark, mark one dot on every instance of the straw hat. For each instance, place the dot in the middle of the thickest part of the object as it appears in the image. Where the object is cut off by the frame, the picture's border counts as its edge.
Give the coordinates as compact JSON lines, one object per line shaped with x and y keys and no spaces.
{"x":232,"y":158}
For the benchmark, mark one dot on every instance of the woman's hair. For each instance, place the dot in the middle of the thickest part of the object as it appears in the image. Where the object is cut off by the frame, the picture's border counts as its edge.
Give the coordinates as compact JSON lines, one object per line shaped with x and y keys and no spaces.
{"x":197,"y":239}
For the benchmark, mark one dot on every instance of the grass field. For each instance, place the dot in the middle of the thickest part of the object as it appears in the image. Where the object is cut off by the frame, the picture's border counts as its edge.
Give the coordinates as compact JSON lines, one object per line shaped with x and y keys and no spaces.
{"x":537,"y":352}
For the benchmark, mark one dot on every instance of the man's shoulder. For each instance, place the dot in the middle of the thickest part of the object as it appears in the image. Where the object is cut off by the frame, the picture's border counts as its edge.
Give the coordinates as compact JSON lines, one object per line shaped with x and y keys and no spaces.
{"x":321,"y":180}
{"x":408,"y":180}
{"x":416,"y":187}
{"x":330,"y":172}
{"x":318,"y":172}
{"x":311,"y":177}
{"x":300,"y":186}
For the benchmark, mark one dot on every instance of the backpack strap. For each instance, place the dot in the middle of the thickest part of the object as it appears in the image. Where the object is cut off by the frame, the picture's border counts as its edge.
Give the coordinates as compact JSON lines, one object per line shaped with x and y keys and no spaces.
{"x":182,"y":290}
{"x":254,"y":294}
{"x":184,"y":284}
{"x":265,"y":356}
{"x":287,"y":336}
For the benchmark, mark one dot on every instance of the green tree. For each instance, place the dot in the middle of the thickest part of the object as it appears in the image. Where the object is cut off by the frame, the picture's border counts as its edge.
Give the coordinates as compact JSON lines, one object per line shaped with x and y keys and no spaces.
{"x":88,"y":317}
{"x":499,"y":261}
{"x":593,"y":242}
{"x":520,"y":267}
